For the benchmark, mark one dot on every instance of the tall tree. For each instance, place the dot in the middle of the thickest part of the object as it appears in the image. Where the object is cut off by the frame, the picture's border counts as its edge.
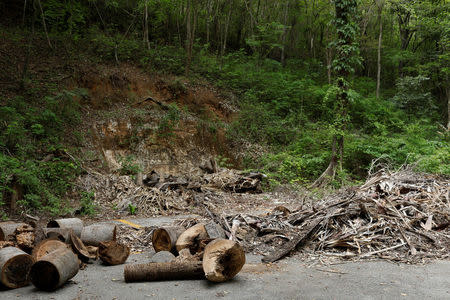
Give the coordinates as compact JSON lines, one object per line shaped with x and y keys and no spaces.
{"x":380,"y":5}
{"x":347,"y":55}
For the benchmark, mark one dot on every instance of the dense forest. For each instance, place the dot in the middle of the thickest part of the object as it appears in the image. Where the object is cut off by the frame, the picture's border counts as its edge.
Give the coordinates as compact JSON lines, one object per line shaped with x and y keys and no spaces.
{"x":323,"y":87}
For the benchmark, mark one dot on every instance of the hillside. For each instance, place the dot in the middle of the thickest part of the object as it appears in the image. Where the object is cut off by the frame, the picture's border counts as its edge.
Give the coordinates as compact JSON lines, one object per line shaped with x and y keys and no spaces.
{"x":84,"y":95}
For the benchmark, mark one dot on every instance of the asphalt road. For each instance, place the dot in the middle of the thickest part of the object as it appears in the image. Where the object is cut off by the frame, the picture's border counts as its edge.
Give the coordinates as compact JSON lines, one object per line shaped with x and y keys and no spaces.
{"x":289,"y":279}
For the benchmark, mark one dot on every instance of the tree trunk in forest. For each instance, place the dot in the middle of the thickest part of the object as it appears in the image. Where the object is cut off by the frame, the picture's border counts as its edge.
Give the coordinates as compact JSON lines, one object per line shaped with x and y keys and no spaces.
{"x":225,"y":35}
{"x":344,"y":12}
{"x":146,"y":40}
{"x":283,"y":43}
{"x":329,"y":55}
{"x":380,"y":5}
{"x":191,"y":21}
{"x":208,"y":19}
{"x":44,"y":24}
{"x":406,"y":33}
{"x":448,"y":105}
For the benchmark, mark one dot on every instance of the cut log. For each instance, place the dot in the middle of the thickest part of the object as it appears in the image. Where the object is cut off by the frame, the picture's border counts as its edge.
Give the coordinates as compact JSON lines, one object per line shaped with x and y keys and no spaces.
{"x":113,"y":253}
{"x":62,"y":234}
{"x":47,"y":246}
{"x":14,"y":267}
{"x":80,"y":249}
{"x":94,"y":234}
{"x":7,"y":229}
{"x":54,"y":269}
{"x":174,"y":270}
{"x":192,"y":238}
{"x":71,"y":223}
{"x":165,"y":239}
{"x":222,"y":260}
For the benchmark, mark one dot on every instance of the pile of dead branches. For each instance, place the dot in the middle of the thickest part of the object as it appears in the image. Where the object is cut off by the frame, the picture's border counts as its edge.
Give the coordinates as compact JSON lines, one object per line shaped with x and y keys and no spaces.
{"x":154,"y":193}
{"x":122,"y":191}
{"x":402,"y":216}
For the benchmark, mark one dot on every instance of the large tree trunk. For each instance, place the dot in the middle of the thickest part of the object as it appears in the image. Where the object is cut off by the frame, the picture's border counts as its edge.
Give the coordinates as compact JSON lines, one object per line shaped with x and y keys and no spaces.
{"x":330,"y":171}
{"x":344,"y":12}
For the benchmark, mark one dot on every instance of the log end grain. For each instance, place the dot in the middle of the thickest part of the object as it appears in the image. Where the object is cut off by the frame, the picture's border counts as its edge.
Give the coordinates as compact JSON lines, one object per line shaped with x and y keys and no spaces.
{"x":44,"y":276}
{"x":15,"y":266}
{"x":54,"y":269}
{"x":45,"y":247}
{"x":222,"y":260}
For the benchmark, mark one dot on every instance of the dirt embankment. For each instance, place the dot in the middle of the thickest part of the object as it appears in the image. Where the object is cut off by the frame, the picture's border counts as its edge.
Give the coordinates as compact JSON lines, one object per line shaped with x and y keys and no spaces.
{"x":157,"y":122}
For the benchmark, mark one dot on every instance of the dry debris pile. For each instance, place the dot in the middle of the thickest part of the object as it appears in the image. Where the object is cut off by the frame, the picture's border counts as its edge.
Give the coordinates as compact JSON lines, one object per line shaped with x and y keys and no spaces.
{"x":402,"y":216}
{"x":153,"y":194}
{"x":50,"y":256}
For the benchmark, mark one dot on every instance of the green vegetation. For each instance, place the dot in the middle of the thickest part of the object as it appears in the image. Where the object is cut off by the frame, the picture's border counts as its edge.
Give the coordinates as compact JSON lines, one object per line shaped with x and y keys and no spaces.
{"x":375,"y":82}
{"x":169,"y":121}
{"x":129,"y":166}
{"x":33,"y":160}
{"x":87,"y":203}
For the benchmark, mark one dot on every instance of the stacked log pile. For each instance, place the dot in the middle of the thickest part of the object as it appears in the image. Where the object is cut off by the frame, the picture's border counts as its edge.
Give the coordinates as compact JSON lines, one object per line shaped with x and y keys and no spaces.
{"x":49,"y":257}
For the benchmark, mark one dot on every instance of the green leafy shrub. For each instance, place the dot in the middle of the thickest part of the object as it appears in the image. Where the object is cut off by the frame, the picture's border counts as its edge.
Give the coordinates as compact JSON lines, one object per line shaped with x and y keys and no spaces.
{"x":87,"y":203}
{"x":169,"y":121}
{"x":129,"y":166}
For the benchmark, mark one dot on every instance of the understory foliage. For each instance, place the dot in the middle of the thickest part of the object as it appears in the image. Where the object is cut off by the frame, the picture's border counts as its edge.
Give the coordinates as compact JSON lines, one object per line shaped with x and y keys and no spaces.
{"x":275,"y":56}
{"x":32,"y":156}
